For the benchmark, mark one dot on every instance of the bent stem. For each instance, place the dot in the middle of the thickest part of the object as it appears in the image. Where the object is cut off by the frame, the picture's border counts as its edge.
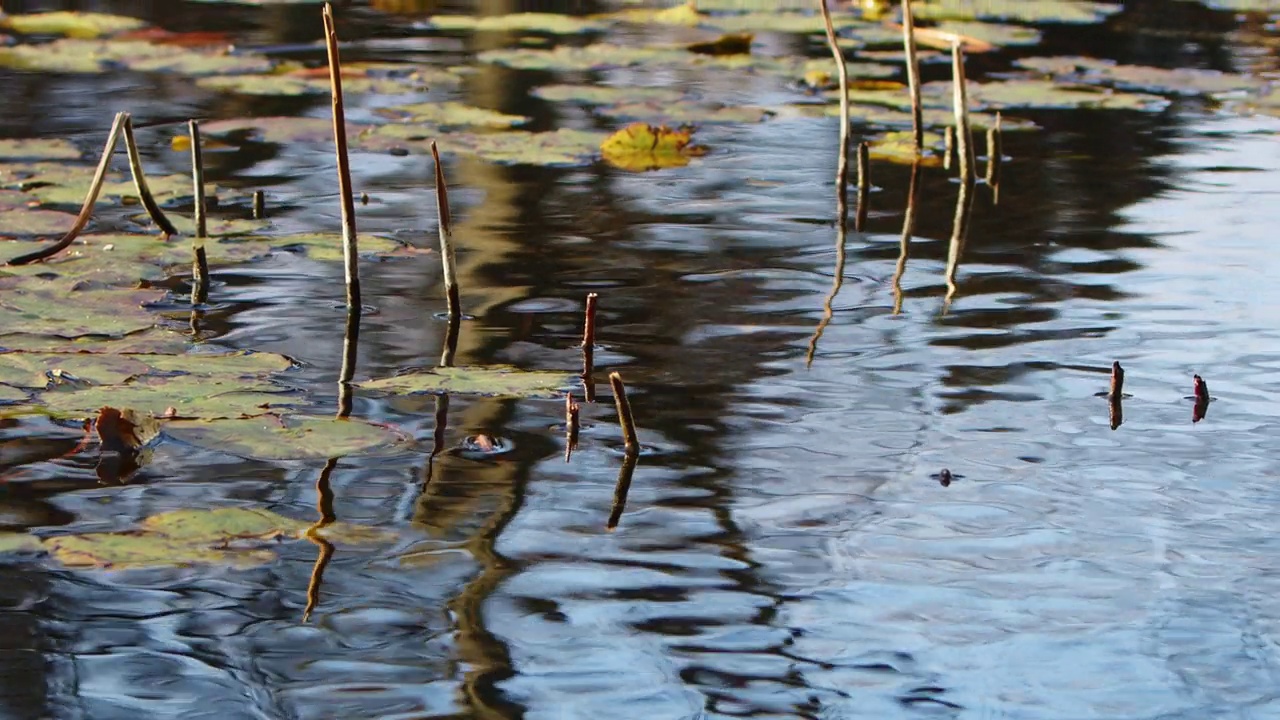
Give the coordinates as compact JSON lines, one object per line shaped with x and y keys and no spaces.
{"x":842,"y":72}
{"x":140,"y":181}
{"x":86,"y":211}
{"x":446,"y":240}
{"x":350,"y":250}
{"x":200,"y":263}
{"x":913,"y":74}
{"x":324,"y":503}
{"x":625,"y":418}
{"x":620,"y":490}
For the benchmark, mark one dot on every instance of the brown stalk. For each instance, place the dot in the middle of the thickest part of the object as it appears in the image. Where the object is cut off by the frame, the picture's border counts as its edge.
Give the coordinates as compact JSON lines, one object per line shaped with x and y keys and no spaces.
{"x":842,"y":72}
{"x":620,"y":490}
{"x":1117,"y":380}
{"x":350,"y":250}
{"x":625,"y":418}
{"x":959,"y":234}
{"x":140,"y":181}
{"x":259,"y":204}
{"x":200,"y":263}
{"x":86,"y":211}
{"x":350,"y":352}
{"x":572,"y":425}
{"x":964,"y":144}
{"x":864,"y":185}
{"x":446,"y":240}
{"x":913,"y":74}
{"x":995,"y":151}
{"x":589,"y":339}
{"x":948,"y":146}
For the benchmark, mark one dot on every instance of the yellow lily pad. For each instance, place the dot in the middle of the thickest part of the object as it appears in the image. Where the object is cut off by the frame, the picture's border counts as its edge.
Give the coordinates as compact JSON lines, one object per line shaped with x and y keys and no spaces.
{"x":69,"y":24}
{"x":452,"y":115}
{"x":71,"y":55}
{"x":640,"y":147}
{"x":549,"y":23}
{"x":38,"y":149}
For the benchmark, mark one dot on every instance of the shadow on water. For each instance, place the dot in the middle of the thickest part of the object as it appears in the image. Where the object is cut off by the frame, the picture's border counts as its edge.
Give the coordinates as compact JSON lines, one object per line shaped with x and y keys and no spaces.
{"x":785,"y":548}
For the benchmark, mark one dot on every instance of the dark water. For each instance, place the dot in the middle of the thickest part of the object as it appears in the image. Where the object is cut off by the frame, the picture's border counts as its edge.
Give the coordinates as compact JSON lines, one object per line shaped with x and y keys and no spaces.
{"x":787,"y":549}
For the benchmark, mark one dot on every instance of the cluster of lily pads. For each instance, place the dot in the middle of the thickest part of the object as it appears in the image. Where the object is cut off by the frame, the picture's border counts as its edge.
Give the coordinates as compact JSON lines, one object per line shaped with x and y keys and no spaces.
{"x":77,"y":332}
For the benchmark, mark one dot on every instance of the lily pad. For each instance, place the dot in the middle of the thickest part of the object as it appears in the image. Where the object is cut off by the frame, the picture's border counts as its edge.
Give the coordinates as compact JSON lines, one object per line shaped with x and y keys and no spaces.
{"x":781,"y":22}
{"x":192,"y":396}
{"x":150,"y":341}
{"x":900,"y":147}
{"x":1025,"y":11}
{"x":492,"y":380}
{"x":606,"y":94}
{"x":1178,"y":81}
{"x":38,"y":149}
{"x":9,"y":395}
{"x":70,"y":55}
{"x":59,"y":184}
{"x":992,"y":33}
{"x":69,"y":24}
{"x":453,"y":115}
{"x":562,"y":148}
{"x":19,"y":542}
{"x":357,"y":78}
{"x":549,"y":23}
{"x":36,"y":370}
{"x":685,"y":111}
{"x":17,"y":219}
{"x":278,"y":130}
{"x":1015,"y":92}
{"x":640,"y":147}
{"x":65,"y":309}
{"x":272,"y":437}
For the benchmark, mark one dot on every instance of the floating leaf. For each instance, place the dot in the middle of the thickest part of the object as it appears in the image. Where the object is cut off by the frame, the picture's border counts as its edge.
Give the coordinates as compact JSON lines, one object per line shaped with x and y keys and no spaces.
{"x":98,"y":56}
{"x":782,"y":22}
{"x":59,"y":184}
{"x":278,"y":130}
{"x":684,"y":111}
{"x":549,"y":23}
{"x":37,"y":370}
{"x":38,"y":149}
{"x":357,"y":78}
{"x":271,"y":437}
{"x":606,"y":56}
{"x":1026,"y":11}
{"x":19,"y":542}
{"x":1015,"y":92}
{"x":493,"y":380}
{"x":149,"y":341}
{"x":640,"y":146}
{"x":69,"y":24}
{"x":685,"y":14}
{"x":728,"y":44}
{"x":10,"y":395}
{"x":562,"y":148}
{"x":64,"y":309}
{"x":118,"y":551}
{"x":606,"y":94}
{"x":1179,"y":81}
{"x":991,"y":33}
{"x":453,"y":115}
{"x":900,"y":147}
{"x":17,"y":219}
{"x":193,"y":396}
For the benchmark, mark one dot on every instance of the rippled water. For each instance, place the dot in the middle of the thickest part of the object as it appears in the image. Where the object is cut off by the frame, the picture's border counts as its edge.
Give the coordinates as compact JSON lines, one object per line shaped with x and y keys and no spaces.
{"x":787,"y":549}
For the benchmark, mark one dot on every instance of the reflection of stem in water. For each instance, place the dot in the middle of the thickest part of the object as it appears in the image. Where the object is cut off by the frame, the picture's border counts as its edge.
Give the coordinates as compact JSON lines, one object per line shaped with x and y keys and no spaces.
{"x":837,"y":281}
{"x":621,"y":489}
{"x":995,"y":150}
{"x":904,"y":245}
{"x":324,"y":503}
{"x":200,"y":263}
{"x":452,"y":327}
{"x":964,"y":144}
{"x":140,"y":181}
{"x":959,"y":234}
{"x":948,"y":146}
{"x":446,"y":240}
{"x":350,"y":351}
{"x":86,"y":210}
{"x":842,"y":164}
{"x":350,"y":251}
{"x":913,"y":74}
{"x":1116,"y":412}
{"x":437,"y":436}
{"x":572,"y":425}
{"x":864,"y":186}
{"x":625,"y":418}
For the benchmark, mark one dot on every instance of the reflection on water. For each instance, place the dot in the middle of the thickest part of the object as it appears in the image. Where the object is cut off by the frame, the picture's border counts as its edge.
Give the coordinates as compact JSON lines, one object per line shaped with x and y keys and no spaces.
{"x":876,"y":480}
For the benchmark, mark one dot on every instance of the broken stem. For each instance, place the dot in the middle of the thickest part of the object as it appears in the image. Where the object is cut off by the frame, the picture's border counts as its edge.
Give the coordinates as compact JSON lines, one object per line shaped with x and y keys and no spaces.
{"x":200,"y":264}
{"x":86,"y":211}
{"x":842,"y":72}
{"x":913,"y":74}
{"x":1117,"y":380}
{"x":572,"y":425}
{"x":625,"y":417}
{"x":350,"y":250}
{"x":589,"y":339}
{"x":620,"y":491}
{"x":140,"y":181}
{"x":446,"y":240}
{"x":964,"y":146}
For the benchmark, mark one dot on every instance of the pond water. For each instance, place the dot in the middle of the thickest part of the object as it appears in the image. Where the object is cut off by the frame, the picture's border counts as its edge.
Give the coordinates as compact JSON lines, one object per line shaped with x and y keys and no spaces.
{"x":787,"y":548}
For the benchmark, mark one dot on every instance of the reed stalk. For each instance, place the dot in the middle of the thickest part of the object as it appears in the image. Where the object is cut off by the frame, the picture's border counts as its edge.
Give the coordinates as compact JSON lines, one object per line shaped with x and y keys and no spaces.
{"x":350,"y":249}
{"x":140,"y":181}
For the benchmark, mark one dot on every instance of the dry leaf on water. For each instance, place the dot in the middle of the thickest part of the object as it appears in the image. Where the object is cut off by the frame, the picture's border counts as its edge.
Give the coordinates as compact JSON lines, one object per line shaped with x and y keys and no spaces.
{"x":641,"y":146}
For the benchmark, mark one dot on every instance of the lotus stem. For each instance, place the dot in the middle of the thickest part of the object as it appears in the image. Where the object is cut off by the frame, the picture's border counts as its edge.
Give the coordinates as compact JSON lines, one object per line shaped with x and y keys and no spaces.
{"x":842,"y":72}
{"x":200,"y":264}
{"x":446,"y":240}
{"x":959,"y":233}
{"x":350,"y":249}
{"x":625,"y":418}
{"x":913,"y":74}
{"x":86,"y":211}
{"x":864,"y":185}
{"x":589,"y":338}
{"x":995,"y":156}
{"x":140,"y":181}
{"x":948,"y":146}
{"x":350,"y":353}
{"x":1117,"y":380}
{"x":964,"y":146}
{"x":259,"y":204}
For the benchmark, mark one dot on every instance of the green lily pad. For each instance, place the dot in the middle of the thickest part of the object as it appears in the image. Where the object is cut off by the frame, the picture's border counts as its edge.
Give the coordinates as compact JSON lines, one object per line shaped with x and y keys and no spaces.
{"x":234,"y":364}
{"x":215,"y":227}
{"x":17,"y":219}
{"x":38,"y":149}
{"x":996,"y":34}
{"x":19,"y":542}
{"x":272,"y":437}
{"x":98,"y":56}
{"x":1179,"y":81}
{"x":453,"y":115}
{"x":194,"y":396}
{"x":606,"y":94}
{"x":562,"y":148}
{"x":684,"y":111}
{"x":1025,"y":11}
{"x":549,"y":23}
{"x":59,"y":184}
{"x":357,"y":78}
{"x":10,"y":395}
{"x":279,"y":130}
{"x":1014,"y":93}
{"x":900,"y":147}
{"x":69,"y":24}
{"x":876,"y":115}
{"x":149,"y":341}
{"x":118,"y":551}
{"x":65,"y":309}
{"x":34,"y":370}
{"x":494,"y":380}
